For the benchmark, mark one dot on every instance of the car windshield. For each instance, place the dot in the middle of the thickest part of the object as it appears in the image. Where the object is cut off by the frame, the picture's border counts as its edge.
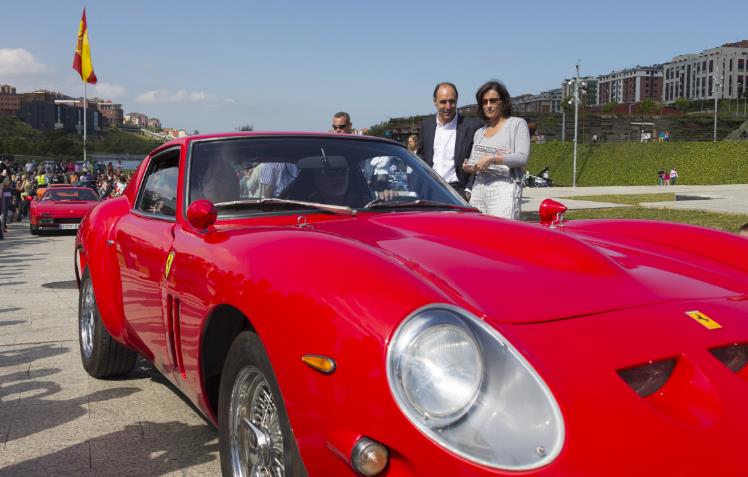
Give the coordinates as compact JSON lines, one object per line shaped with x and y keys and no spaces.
{"x":71,"y":194}
{"x":339,"y":171}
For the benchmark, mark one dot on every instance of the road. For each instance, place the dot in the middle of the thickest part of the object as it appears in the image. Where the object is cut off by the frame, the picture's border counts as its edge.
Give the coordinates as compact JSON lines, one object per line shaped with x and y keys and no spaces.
{"x":54,"y":418}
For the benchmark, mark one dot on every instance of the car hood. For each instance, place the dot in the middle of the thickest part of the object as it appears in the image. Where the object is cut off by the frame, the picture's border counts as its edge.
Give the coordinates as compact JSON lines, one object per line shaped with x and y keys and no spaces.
{"x":517,"y":272}
{"x":72,"y":208}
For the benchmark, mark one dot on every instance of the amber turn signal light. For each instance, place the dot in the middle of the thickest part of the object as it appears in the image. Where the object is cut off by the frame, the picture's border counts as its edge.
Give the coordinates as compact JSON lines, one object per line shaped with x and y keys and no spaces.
{"x":323,"y":364}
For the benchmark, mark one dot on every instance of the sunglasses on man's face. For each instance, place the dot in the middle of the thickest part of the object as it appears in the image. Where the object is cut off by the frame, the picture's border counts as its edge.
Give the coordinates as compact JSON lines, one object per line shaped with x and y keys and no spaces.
{"x":338,"y":127}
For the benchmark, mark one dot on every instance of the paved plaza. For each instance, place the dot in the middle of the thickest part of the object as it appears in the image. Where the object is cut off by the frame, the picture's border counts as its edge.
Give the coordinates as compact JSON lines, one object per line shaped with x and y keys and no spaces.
{"x":56,"y":420}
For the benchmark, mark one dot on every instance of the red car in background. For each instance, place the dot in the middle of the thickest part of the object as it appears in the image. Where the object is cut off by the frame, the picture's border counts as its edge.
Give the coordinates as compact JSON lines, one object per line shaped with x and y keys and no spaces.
{"x":61,"y":208}
{"x":336,"y":309}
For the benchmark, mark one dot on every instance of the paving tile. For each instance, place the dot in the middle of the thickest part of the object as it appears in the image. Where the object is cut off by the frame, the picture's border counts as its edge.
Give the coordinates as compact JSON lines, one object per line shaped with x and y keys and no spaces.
{"x":46,"y":458}
{"x":53,"y":422}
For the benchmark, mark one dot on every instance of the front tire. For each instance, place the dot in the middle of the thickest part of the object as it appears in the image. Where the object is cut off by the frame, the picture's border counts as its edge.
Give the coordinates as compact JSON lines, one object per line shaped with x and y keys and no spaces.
{"x":34,"y":229}
{"x":102,"y":356}
{"x":255,"y":436}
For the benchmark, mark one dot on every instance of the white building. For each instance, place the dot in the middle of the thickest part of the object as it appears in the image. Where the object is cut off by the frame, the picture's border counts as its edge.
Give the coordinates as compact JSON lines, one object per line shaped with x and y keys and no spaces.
{"x":722,"y":71}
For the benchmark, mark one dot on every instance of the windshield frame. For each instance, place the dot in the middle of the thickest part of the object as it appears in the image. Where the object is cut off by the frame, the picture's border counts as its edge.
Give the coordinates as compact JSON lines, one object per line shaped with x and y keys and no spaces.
{"x":418,"y":162}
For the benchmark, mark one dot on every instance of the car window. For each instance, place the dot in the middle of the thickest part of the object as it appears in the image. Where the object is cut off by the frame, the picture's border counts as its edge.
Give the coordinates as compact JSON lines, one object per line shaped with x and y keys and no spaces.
{"x":331,"y":171}
{"x":71,"y":194}
{"x":159,"y":192}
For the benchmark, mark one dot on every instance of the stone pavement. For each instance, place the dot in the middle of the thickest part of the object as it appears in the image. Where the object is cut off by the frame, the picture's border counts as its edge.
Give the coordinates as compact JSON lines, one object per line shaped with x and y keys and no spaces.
{"x":729,"y":198}
{"x":55,"y":420}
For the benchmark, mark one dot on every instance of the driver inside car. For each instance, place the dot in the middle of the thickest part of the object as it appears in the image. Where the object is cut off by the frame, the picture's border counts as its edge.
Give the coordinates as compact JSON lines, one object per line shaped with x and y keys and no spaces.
{"x":216,"y":181}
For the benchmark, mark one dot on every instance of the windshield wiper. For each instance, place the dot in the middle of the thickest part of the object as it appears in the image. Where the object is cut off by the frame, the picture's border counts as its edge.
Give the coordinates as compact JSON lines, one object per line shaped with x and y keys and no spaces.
{"x":418,"y":203}
{"x":291,"y":204}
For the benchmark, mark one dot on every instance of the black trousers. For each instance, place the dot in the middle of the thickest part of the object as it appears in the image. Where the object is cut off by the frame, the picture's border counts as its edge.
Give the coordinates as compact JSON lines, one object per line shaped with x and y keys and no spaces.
{"x":460,"y":189}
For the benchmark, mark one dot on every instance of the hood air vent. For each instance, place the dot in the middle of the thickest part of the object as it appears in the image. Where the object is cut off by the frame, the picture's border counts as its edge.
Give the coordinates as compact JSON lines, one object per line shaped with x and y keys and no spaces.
{"x":646,"y":379}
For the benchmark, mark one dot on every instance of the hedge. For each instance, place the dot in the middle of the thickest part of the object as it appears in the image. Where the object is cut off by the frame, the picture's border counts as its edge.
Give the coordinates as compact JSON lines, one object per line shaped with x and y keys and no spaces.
{"x":637,"y":164}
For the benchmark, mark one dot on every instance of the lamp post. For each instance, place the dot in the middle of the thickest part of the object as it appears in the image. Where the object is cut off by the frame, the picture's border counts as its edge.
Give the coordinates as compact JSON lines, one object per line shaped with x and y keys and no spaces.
{"x":717,"y":84}
{"x":577,"y":82}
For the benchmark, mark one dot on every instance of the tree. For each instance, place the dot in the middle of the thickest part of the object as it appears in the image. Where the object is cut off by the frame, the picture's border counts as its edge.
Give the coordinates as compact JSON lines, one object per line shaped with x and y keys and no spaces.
{"x":610,"y":106}
{"x":681,"y":104}
{"x":567,"y":104}
{"x":246,"y":127}
{"x":647,"y":107}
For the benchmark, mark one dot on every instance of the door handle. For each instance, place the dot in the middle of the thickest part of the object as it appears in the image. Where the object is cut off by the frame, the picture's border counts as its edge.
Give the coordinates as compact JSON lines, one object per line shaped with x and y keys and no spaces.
{"x":110,"y":243}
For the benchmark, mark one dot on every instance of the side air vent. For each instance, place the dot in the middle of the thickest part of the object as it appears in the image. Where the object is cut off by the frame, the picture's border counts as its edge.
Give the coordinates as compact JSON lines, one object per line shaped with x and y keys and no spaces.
{"x":646,"y":379}
{"x":734,"y":356}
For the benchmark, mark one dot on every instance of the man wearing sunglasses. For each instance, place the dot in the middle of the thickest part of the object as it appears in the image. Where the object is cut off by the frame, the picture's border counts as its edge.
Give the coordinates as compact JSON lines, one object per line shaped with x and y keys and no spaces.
{"x":446,"y":138}
{"x":341,"y":123}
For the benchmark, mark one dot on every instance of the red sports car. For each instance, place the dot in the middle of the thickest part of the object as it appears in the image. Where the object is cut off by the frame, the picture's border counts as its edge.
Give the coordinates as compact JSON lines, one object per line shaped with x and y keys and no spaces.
{"x":61,"y":208}
{"x":336,"y":309}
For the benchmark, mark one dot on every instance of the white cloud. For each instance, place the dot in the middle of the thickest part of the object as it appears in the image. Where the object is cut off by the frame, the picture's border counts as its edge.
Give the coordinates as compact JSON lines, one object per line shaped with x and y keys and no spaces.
{"x":108,"y":90}
{"x":179,"y":96}
{"x":19,"y":62}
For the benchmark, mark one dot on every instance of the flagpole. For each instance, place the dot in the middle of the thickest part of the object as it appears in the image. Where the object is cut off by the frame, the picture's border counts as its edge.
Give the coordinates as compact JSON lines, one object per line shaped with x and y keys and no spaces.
{"x":85,"y":129}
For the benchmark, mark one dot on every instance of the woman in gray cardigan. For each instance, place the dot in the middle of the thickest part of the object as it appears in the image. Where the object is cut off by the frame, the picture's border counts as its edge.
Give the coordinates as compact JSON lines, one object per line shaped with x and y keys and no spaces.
{"x":499,"y":155}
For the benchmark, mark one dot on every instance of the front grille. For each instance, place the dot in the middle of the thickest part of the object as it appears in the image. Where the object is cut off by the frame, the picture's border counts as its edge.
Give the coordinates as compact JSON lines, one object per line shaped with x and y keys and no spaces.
{"x":68,"y":220}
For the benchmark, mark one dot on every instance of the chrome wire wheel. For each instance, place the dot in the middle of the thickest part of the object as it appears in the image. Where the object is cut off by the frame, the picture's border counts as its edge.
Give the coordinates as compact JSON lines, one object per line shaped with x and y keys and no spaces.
{"x":87,"y":319}
{"x":255,"y":433}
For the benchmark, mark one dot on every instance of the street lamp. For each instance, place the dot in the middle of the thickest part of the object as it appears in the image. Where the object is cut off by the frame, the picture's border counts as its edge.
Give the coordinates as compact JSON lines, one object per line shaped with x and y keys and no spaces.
{"x":577,"y":83}
{"x":717,"y":84}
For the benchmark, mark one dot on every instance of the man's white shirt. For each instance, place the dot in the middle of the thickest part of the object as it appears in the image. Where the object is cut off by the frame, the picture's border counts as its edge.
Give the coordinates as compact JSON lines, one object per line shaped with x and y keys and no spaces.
{"x":444,"y":149}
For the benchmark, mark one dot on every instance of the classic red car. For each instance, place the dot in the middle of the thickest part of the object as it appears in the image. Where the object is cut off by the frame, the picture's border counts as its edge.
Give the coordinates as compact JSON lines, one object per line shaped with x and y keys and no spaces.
{"x":336,"y":309}
{"x":61,"y":208}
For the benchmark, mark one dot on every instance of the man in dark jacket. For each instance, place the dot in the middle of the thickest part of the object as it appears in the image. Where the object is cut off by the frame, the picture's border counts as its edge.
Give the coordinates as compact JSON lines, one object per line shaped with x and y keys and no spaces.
{"x":446,"y":138}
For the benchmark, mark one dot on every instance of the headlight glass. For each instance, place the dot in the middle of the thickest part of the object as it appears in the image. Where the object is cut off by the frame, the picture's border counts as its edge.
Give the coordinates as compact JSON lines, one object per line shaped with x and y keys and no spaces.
{"x":468,"y":389}
{"x":442,"y":373}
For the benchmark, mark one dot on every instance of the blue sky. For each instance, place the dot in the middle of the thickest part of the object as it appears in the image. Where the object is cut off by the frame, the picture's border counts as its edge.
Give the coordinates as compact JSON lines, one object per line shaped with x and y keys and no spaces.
{"x":289,"y":65}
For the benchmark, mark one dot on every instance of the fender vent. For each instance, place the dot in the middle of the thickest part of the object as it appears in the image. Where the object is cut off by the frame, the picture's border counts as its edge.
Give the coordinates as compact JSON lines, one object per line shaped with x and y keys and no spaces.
{"x":646,"y":379}
{"x":734,"y":356}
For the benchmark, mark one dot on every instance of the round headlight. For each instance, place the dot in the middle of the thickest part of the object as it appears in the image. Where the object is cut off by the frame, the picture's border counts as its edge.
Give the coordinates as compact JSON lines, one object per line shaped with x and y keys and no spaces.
{"x":442,"y":373}
{"x":464,"y":385}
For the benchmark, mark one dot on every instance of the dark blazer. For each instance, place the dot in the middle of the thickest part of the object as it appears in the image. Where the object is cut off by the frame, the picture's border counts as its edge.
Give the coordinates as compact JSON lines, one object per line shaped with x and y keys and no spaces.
{"x":466,"y":128}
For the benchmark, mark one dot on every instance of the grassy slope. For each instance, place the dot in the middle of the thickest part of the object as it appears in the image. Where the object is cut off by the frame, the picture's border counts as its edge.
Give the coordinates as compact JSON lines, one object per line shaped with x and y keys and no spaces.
{"x":637,"y":164}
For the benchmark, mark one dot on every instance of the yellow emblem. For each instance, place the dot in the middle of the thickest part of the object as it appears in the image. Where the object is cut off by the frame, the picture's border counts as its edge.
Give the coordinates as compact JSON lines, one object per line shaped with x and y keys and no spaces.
{"x":169,"y":259}
{"x":704,"y":320}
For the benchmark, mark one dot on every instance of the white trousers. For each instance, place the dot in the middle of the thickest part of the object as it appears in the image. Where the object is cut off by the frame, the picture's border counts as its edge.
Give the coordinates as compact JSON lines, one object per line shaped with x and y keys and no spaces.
{"x":499,"y":196}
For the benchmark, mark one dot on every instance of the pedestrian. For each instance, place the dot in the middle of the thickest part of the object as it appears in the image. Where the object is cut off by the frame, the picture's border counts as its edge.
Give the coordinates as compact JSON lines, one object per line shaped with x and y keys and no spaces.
{"x":499,"y":154}
{"x":673,"y":176}
{"x":341,"y":123}
{"x":7,"y":197}
{"x":666,"y":178}
{"x":660,"y":176}
{"x":446,"y":138}
{"x":413,"y":143}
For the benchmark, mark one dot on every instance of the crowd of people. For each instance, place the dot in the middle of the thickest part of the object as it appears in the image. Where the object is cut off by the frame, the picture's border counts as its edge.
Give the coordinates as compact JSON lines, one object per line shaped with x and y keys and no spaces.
{"x":21,"y":182}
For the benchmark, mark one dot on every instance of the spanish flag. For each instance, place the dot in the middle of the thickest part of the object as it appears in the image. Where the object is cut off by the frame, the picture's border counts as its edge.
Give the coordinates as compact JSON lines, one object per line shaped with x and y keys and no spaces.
{"x":82,"y":60}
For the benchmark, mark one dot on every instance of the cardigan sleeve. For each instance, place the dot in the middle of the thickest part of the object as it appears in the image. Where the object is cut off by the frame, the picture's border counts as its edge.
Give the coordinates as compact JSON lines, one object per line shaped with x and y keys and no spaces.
{"x":521,"y":140}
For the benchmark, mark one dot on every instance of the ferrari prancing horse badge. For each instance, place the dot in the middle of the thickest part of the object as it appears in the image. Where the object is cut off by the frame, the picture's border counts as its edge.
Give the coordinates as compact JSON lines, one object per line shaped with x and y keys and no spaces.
{"x":704,"y":320}
{"x":169,"y":259}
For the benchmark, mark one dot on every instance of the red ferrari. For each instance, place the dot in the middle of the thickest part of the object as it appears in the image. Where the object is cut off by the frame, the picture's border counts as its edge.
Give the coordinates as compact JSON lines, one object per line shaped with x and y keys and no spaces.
{"x":336,"y":309}
{"x":61,"y":208}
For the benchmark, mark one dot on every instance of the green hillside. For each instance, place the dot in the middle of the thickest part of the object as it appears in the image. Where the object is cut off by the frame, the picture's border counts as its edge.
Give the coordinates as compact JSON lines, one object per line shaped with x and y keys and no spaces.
{"x":723,"y":162}
{"x":18,"y":138}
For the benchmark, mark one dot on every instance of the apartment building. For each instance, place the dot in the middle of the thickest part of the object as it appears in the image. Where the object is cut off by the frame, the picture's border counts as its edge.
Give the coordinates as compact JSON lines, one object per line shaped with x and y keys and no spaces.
{"x":721,"y":71}
{"x":632,"y":85}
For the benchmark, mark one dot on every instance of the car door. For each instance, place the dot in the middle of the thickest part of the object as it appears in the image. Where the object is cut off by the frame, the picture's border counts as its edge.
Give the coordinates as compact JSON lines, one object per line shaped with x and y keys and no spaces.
{"x":144,"y":239}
